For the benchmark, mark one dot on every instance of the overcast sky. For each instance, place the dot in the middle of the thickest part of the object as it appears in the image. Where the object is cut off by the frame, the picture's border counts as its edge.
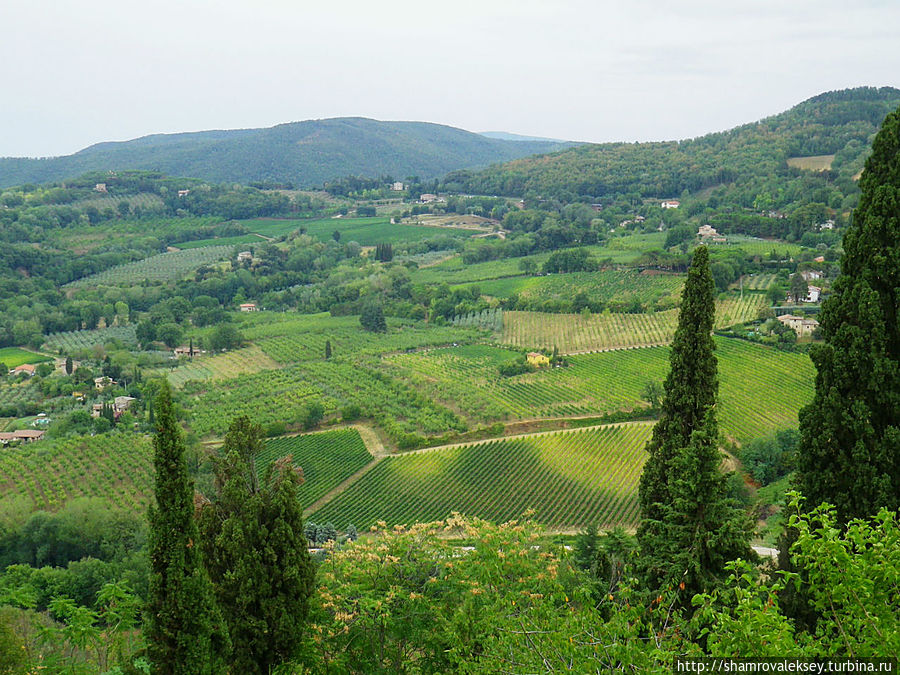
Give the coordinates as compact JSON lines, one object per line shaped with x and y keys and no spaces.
{"x":76,"y":73}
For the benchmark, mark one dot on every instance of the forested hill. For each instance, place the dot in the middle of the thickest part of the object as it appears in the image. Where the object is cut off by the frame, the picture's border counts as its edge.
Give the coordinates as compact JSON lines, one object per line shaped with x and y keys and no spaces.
{"x":305,"y":154}
{"x":743,"y":160}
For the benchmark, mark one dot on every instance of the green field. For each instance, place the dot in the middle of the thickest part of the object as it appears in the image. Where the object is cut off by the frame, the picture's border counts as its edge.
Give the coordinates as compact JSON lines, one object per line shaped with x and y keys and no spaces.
{"x":218,"y":367}
{"x":74,"y":340}
{"x":609,"y":330}
{"x":364,"y":231}
{"x":117,"y":467}
{"x":327,"y":459}
{"x":761,"y":388}
{"x":812,"y":163}
{"x":170,"y":266}
{"x":14,"y":356}
{"x":221,"y":241}
{"x":569,"y":479}
{"x":622,"y":287}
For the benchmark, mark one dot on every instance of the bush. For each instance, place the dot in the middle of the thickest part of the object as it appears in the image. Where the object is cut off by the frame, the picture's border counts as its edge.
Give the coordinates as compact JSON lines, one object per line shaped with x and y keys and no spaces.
{"x":351,"y":412}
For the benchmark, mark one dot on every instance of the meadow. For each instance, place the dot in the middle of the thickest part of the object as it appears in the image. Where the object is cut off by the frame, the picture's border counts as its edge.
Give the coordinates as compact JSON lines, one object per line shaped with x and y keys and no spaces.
{"x":568,"y":480}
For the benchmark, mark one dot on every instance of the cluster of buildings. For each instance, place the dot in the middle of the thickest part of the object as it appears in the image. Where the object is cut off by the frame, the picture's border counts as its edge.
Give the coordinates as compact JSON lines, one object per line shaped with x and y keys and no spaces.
{"x":801,"y":325}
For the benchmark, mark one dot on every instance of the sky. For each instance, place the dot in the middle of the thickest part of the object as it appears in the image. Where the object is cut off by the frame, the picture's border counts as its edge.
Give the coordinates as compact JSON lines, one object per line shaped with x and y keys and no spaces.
{"x":78,"y":73}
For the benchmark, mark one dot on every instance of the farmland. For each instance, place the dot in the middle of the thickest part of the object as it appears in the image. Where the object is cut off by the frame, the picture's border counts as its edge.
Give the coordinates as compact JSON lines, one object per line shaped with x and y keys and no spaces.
{"x":72,"y":341}
{"x":595,"y":332}
{"x":117,"y":467}
{"x":169,"y":266}
{"x":218,"y":367}
{"x":813,"y":163}
{"x":761,"y":388}
{"x":327,"y":459}
{"x":569,"y":479}
{"x":13,"y":356}
{"x":624,"y":287}
{"x":364,"y":231}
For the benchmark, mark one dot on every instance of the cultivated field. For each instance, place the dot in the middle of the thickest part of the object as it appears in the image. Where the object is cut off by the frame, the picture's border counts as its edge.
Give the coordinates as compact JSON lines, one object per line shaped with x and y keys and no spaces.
{"x":14,"y":356}
{"x":364,"y":231}
{"x":217,"y":367}
{"x":74,"y":340}
{"x":327,"y":459}
{"x":569,"y":479}
{"x":596,"y":332}
{"x":116,"y":467}
{"x":170,"y":266}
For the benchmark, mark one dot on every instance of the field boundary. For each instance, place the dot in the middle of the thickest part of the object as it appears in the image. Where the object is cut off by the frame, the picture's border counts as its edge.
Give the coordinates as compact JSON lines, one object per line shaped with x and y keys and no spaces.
{"x":341,"y":487}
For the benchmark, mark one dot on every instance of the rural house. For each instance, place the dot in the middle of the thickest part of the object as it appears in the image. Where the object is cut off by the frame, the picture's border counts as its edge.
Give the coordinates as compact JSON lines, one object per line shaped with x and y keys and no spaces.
{"x":21,"y":435}
{"x":813,"y":294}
{"x":26,"y":368}
{"x":670,"y":204}
{"x":800,"y":325}
{"x":249,"y":307}
{"x":537,"y":359}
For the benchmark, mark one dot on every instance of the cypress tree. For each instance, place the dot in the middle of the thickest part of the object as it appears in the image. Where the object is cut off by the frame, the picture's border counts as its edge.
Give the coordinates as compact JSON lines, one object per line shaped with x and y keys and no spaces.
{"x":849,"y":452}
{"x":185,"y":631}
{"x":256,"y":554}
{"x":327,"y":349}
{"x":689,"y":527}
{"x":690,"y":388}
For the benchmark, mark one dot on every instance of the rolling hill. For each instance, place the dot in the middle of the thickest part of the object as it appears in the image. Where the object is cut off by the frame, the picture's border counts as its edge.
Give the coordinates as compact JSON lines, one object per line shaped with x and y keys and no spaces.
{"x":303,"y":153}
{"x":754,"y":157}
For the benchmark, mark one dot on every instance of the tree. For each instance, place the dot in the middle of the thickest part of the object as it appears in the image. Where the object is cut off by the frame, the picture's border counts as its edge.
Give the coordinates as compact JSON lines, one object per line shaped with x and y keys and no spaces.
{"x":850,"y":433}
{"x":336,"y":235}
{"x":689,"y":528}
{"x":372,"y":318}
{"x":145,"y":332}
{"x":184,"y":628}
{"x":255,"y":552}
{"x":225,"y":336}
{"x":327,"y":349}
{"x":799,"y":287}
{"x":68,"y":365}
{"x":652,"y":393}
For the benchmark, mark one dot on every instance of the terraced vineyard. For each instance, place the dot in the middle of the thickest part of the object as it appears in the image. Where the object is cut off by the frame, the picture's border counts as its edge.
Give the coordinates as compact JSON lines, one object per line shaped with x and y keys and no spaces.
{"x":71,"y":341}
{"x":218,"y":367}
{"x":115,"y":466}
{"x":327,"y":459}
{"x":577,"y":333}
{"x":608,"y":286}
{"x":364,"y":231}
{"x":761,"y":388}
{"x":169,"y":266}
{"x":570,"y":479}
{"x":759,"y":282}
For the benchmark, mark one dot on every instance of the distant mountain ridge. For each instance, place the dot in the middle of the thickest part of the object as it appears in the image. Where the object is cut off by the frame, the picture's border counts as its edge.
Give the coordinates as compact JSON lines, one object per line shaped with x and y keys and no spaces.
{"x":304,"y":153}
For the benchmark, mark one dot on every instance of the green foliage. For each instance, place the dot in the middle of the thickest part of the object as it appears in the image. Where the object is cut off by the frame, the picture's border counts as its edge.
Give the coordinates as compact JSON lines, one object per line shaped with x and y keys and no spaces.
{"x":255,"y":553}
{"x":689,"y":527}
{"x":170,"y":266}
{"x":768,"y":459}
{"x":850,"y":432}
{"x":185,"y":630}
{"x":372,"y":318}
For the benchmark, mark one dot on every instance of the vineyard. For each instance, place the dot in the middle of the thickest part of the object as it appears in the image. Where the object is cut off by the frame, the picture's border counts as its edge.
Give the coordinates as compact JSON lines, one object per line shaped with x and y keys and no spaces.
{"x":569,"y":479}
{"x":623,"y":287}
{"x":327,"y":459}
{"x":14,"y":356}
{"x":14,"y":393}
{"x":596,"y":332}
{"x":114,"y":466}
{"x":282,"y":395}
{"x":239,"y":240}
{"x":759,"y":282}
{"x":761,"y":388}
{"x":75,"y":340}
{"x":170,"y":266}
{"x":348,"y":339}
{"x":219,"y":367}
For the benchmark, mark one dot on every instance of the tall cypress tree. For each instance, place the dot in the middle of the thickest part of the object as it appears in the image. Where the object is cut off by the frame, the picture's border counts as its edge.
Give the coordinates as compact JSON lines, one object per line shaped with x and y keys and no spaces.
{"x":690,"y":388}
{"x":185,"y":631}
{"x":689,"y":527}
{"x":256,"y":554}
{"x":849,"y":453}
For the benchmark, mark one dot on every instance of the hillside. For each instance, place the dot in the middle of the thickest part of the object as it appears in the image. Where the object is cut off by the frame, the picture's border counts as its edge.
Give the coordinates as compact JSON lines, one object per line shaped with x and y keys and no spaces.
{"x":303,"y":153}
{"x":752,"y":158}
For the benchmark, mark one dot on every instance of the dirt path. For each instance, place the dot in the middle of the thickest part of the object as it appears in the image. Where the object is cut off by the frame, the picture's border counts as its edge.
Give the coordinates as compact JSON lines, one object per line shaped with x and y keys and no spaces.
{"x":373,"y":443}
{"x":338,"y":489}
